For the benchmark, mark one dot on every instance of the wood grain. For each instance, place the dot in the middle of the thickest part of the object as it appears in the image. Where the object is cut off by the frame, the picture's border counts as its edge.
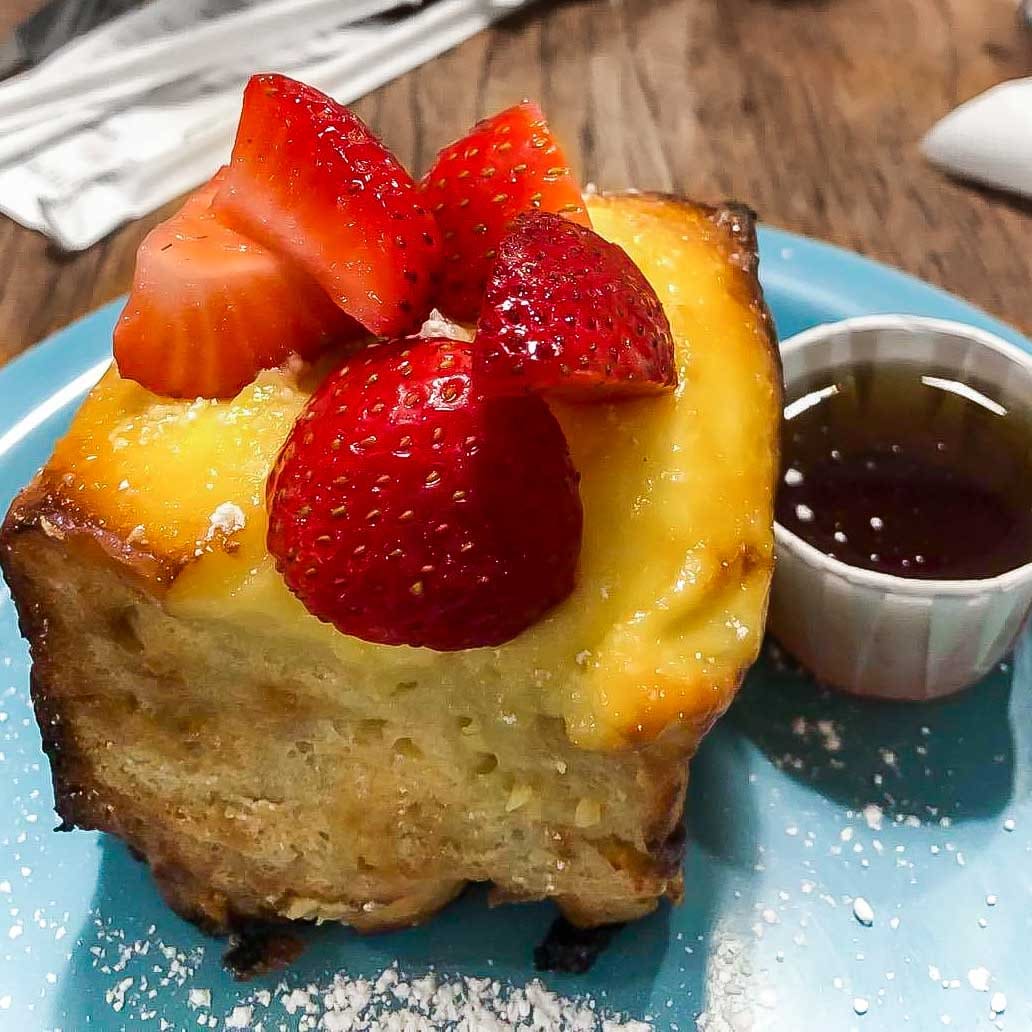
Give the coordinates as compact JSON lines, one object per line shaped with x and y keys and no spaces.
{"x":809,"y":110}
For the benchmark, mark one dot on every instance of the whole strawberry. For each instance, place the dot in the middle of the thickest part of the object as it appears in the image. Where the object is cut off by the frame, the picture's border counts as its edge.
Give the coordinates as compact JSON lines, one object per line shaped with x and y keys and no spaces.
{"x":570,"y":313}
{"x":406,"y":508}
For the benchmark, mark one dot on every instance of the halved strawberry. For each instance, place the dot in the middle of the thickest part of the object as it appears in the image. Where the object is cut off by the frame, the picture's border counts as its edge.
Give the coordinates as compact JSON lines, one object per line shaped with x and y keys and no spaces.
{"x":408,"y":508}
{"x":312,"y":183}
{"x":208,"y":308}
{"x":568,"y":312}
{"x":508,"y":164}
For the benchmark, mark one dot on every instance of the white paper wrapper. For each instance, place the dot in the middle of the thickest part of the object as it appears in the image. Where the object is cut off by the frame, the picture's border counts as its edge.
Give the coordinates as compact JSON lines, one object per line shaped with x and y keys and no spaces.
{"x":105,"y":155}
{"x":988,"y":139}
{"x":119,"y":73}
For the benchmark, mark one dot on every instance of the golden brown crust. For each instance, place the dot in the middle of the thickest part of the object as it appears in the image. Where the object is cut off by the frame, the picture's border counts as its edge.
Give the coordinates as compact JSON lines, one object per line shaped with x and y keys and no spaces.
{"x":43,"y":504}
{"x":29,"y":557}
{"x":35,"y":524}
{"x":67,"y":765}
{"x":738,"y":222}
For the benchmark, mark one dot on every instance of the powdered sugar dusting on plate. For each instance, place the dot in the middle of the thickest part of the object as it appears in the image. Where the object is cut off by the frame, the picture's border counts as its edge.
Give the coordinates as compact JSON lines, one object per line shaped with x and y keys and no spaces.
{"x":144,"y":972}
{"x":393,"y":1002}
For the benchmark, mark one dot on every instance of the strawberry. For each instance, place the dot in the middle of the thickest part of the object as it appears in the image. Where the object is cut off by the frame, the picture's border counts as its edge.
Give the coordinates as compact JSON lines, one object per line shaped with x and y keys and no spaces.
{"x":407,"y":508}
{"x":567,"y":312}
{"x":309,"y":181}
{"x":508,"y":164}
{"x":208,"y":308}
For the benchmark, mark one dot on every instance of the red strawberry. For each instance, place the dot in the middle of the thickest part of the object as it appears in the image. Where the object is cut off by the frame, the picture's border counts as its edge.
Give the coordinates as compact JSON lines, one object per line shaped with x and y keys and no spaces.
{"x":508,"y":164}
{"x":312,"y":183}
{"x":209,"y":308}
{"x":408,"y":508}
{"x":568,"y":312}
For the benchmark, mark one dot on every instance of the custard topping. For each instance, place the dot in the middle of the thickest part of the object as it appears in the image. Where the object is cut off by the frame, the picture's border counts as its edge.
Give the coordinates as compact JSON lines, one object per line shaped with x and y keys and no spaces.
{"x":677,"y":490}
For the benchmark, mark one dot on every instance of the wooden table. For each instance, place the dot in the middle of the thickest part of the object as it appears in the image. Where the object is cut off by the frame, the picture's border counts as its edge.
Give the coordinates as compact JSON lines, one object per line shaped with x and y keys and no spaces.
{"x":809,"y":110}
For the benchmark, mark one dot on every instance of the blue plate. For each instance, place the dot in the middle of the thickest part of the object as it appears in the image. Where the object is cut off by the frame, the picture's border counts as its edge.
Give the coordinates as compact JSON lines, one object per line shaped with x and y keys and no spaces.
{"x":800,"y":801}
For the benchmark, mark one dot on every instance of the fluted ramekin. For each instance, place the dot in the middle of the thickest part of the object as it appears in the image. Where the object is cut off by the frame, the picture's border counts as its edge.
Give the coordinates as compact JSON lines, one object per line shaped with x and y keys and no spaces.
{"x":872,"y":633}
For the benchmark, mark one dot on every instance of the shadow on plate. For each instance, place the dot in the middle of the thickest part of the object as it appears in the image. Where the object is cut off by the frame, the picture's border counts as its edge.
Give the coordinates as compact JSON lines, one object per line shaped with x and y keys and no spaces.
{"x":953,"y":758}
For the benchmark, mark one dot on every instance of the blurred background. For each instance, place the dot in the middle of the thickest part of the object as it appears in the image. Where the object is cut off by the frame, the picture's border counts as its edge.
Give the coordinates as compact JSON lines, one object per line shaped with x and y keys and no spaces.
{"x":811,"y":111}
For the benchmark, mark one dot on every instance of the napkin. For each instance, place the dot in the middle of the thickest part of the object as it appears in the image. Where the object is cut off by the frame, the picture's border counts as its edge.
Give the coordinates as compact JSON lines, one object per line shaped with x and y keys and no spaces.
{"x":143,"y":109}
{"x":988,"y":139}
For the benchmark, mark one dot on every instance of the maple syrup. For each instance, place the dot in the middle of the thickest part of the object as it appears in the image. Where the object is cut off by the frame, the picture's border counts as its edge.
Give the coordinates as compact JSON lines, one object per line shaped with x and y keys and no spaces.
{"x":899,"y":468}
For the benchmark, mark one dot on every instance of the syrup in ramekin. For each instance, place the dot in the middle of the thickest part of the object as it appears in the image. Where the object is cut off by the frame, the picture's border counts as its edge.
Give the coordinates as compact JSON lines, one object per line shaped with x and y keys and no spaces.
{"x":906,"y":470}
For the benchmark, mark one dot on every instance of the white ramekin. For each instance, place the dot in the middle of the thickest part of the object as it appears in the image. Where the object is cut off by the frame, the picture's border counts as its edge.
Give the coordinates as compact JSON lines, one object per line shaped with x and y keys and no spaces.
{"x":872,"y":633}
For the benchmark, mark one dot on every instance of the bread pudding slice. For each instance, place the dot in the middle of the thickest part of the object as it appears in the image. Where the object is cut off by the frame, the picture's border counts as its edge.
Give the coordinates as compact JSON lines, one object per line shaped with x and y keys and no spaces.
{"x":267,"y":766}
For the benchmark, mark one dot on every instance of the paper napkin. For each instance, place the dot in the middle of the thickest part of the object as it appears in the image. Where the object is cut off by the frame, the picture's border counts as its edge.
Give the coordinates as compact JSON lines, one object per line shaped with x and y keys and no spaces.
{"x":144,"y":108}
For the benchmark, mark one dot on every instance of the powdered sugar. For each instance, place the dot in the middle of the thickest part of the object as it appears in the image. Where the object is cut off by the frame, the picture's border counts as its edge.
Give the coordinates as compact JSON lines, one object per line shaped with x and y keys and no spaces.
{"x":392,"y":1000}
{"x":396,"y":1002}
{"x":438,"y":325}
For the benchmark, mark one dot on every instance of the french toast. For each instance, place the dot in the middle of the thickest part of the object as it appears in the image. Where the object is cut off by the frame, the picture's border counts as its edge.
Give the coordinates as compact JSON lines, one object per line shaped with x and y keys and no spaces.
{"x":268,"y":766}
